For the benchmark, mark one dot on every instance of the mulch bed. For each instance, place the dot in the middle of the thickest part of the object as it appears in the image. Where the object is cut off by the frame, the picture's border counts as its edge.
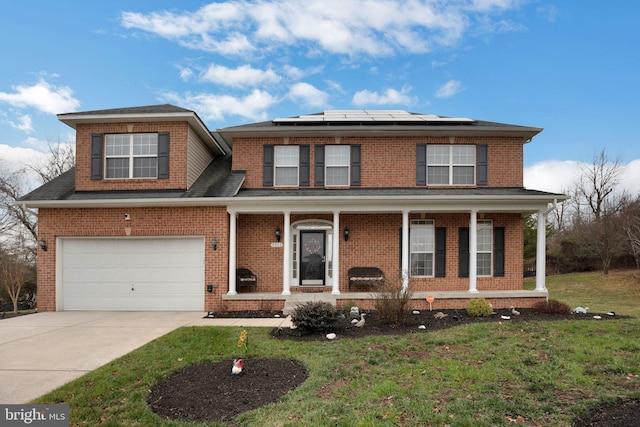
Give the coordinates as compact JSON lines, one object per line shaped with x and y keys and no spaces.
{"x":210,"y":393}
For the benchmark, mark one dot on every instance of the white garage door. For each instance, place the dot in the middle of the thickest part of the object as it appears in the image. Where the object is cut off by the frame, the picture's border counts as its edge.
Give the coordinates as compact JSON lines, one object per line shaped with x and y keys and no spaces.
{"x":132,"y":274}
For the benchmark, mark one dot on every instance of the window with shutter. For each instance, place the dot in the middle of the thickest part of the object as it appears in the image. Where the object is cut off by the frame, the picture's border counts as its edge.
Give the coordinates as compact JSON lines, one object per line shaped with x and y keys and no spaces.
{"x":133,"y":155}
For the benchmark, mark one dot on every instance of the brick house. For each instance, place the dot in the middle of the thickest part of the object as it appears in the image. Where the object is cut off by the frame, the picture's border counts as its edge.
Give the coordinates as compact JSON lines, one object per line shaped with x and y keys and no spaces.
{"x":159,"y":215}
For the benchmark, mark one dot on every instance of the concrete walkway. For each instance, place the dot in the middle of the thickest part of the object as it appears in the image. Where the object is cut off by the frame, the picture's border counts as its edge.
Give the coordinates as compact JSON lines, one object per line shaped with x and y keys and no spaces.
{"x":43,"y":351}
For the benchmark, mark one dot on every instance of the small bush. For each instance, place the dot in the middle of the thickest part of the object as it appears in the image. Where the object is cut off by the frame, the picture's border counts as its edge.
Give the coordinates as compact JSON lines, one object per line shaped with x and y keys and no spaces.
{"x":393,"y":303}
{"x":315,"y":316}
{"x":551,"y":307}
{"x":479,"y":307}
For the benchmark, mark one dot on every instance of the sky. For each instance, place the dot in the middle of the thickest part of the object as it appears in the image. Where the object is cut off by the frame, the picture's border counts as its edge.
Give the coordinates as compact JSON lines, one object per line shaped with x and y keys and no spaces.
{"x":570,"y":67}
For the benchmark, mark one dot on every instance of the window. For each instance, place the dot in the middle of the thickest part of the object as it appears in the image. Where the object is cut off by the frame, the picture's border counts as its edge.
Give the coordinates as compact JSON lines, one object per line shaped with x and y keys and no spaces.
{"x":337,"y":161}
{"x":485,"y":247}
{"x":451,"y":164}
{"x":286,"y":163}
{"x":422,"y":239}
{"x":131,"y":155}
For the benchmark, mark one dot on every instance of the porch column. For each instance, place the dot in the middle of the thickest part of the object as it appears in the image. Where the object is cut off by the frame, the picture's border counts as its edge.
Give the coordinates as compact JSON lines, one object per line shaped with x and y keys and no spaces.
{"x":541,"y":252}
{"x":335,"y":285}
{"x":473,"y":252}
{"x":232,"y":253}
{"x":286,"y":262}
{"x":405,"y":250}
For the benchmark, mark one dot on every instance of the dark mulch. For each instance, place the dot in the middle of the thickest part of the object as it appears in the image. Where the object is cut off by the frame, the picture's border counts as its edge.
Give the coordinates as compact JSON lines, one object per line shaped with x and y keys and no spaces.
{"x":210,"y":393}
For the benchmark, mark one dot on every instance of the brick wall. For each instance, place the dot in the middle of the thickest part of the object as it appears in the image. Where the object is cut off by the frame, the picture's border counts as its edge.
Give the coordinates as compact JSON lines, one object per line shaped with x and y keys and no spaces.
{"x":388,"y":162}
{"x":187,"y":221}
{"x":178,"y":135}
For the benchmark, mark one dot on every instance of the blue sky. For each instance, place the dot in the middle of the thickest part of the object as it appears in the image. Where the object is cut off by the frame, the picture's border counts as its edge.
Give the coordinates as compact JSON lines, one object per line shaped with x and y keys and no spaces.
{"x":569,"y":67}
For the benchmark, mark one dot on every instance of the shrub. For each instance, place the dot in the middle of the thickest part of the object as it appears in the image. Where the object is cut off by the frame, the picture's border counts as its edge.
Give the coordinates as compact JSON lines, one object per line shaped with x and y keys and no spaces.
{"x":314,"y":316}
{"x":479,"y":307}
{"x":393,"y":303}
{"x":551,"y":307}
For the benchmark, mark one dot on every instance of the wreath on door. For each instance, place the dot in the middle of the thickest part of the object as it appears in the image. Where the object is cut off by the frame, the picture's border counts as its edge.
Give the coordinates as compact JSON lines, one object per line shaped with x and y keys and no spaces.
{"x":312,"y":246}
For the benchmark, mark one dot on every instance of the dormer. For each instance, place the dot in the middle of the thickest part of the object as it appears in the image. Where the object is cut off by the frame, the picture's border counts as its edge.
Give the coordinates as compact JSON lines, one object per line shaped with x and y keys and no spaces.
{"x":159,"y":147}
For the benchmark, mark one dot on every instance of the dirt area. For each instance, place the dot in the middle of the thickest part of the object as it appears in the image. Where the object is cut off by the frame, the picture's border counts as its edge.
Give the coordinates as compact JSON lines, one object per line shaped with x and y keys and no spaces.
{"x":210,"y":393}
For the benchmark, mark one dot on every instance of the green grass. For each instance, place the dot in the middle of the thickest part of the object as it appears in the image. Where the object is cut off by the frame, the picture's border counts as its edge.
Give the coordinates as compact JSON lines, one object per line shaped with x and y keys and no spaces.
{"x":486,"y":374}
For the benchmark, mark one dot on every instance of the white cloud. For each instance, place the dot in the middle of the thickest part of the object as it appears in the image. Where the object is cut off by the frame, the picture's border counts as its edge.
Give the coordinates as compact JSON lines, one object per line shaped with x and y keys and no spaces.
{"x":376,"y":28}
{"x":42,"y":96}
{"x":449,"y":89}
{"x":558,"y":176}
{"x":216,"y":107}
{"x":308,"y":95}
{"x":389,"y":97}
{"x":244,"y":75}
{"x":185,"y":74}
{"x":24,"y":124}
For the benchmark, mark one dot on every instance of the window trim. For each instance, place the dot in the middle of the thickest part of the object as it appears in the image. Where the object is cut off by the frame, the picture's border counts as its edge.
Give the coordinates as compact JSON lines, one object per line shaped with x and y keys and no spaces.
{"x":131,"y":156}
{"x":328,"y":166}
{"x":276,"y":148}
{"x":451,"y":165}
{"x":484,"y":224}
{"x":428,"y":224}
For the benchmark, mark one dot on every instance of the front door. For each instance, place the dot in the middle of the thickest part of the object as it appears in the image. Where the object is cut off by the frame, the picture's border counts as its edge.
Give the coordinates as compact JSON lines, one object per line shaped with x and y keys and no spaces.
{"x":312,"y":257}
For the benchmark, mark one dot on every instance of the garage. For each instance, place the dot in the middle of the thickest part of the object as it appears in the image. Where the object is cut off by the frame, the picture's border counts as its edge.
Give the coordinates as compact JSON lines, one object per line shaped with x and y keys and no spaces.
{"x":161,"y":274}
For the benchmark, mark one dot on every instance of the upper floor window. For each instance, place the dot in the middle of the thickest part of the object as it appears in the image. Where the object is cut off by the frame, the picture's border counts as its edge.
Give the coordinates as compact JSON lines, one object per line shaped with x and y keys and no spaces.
{"x":131,"y":155}
{"x":422,"y":247}
{"x":286,"y":163}
{"x":451,"y":164}
{"x":337,"y":162}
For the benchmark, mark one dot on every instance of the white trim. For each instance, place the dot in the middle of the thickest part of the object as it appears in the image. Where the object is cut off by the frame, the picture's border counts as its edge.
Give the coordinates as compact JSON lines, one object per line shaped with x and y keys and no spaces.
{"x":541,"y":257}
{"x":473,"y":252}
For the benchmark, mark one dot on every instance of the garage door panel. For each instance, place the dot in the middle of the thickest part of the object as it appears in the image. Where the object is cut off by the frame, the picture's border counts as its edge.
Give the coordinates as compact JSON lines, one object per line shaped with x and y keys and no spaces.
{"x":166,"y":274}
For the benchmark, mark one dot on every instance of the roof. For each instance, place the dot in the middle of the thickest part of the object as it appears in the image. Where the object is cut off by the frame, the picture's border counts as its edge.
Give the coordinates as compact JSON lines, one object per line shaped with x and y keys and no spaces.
{"x":376,"y":123}
{"x":216,"y":181}
{"x":149,"y":113}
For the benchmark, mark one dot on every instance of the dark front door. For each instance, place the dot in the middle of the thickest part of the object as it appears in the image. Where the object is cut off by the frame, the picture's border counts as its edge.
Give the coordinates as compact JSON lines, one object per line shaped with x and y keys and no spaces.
{"x":312,"y":257}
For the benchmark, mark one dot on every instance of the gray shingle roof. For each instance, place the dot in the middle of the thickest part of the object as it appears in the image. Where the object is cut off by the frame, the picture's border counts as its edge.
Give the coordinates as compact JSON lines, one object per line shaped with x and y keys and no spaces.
{"x":148,"y":109}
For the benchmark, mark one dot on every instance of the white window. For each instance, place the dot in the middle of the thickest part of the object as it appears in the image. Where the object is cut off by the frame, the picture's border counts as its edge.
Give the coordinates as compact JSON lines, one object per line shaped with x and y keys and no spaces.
{"x":451,"y":164}
{"x":485,"y":247}
{"x":286,"y":161}
{"x":421,"y":248}
{"x":131,"y":155}
{"x":337,"y":161}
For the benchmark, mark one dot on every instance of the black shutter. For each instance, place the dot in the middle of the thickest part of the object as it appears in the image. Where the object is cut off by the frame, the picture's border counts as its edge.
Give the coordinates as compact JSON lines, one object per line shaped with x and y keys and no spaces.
{"x":163,"y":155}
{"x":318,"y":170}
{"x":355,"y":165}
{"x":304,"y":165}
{"x":498,"y":251}
{"x":441,"y":252}
{"x":483,"y":162}
{"x":96,"y":156}
{"x":421,"y":164}
{"x":463,"y":252}
{"x":267,"y":166}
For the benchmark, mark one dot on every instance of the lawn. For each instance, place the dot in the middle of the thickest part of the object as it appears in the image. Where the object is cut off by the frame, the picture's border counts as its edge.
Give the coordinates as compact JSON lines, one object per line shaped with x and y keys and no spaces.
{"x":488,"y":374}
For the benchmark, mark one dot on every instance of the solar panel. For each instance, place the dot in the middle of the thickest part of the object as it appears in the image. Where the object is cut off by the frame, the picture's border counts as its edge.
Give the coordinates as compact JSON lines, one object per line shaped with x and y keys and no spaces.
{"x":378,"y":116}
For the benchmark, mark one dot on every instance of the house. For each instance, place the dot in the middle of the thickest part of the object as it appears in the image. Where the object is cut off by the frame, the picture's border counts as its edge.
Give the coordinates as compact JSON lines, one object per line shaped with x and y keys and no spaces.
{"x":160,"y":213}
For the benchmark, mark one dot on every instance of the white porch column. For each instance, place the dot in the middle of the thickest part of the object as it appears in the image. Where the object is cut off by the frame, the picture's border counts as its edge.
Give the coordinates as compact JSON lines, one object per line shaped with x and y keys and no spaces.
{"x":405,"y":250}
{"x":541,"y":252}
{"x":473,"y":251}
{"x":335,"y":285}
{"x":286,"y":262}
{"x":232,"y":254}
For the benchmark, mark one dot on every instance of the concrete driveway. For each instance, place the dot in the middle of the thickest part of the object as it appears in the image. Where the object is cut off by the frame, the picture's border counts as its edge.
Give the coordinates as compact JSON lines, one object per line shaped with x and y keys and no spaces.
{"x":40,"y":352}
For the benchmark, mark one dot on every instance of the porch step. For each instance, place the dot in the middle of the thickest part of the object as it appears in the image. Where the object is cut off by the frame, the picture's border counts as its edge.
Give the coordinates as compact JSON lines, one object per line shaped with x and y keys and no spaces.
{"x":299,"y":298}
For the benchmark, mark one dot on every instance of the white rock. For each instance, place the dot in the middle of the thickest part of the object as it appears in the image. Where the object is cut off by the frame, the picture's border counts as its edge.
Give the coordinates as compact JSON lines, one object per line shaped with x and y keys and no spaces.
{"x":597,"y":317}
{"x":415,"y":312}
{"x":422,"y":327}
{"x":505,"y":317}
{"x":331,"y":336}
{"x":293,"y":327}
{"x":277,"y":315}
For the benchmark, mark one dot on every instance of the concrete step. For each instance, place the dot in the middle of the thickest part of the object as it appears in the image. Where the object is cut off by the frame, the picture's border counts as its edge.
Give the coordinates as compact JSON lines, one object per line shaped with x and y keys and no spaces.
{"x":294,"y":300}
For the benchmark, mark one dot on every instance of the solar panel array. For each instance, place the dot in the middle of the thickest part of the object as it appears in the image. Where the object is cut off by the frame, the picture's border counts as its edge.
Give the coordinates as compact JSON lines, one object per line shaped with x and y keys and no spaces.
{"x":377,"y":116}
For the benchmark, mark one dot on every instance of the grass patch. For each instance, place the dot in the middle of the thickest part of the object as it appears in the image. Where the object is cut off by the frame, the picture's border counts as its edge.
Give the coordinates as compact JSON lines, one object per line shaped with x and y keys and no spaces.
{"x":486,"y":374}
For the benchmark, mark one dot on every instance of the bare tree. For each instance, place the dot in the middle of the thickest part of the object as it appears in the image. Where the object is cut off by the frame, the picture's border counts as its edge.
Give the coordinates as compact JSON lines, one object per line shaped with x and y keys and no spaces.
{"x":599,"y":200}
{"x":61,"y":158}
{"x":14,"y":269}
{"x":632,"y":228}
